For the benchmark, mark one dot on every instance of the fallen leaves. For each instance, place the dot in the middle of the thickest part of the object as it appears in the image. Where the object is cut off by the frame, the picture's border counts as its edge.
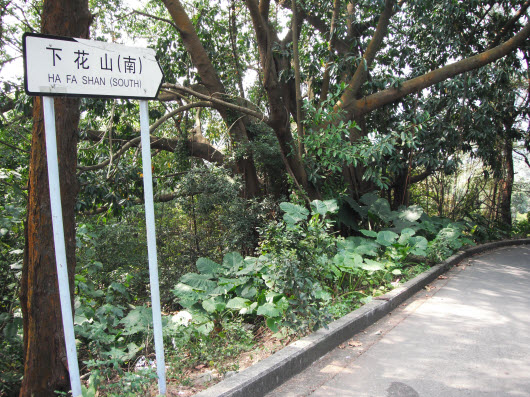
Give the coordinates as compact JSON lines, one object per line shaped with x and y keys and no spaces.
{"x":351,"y":343}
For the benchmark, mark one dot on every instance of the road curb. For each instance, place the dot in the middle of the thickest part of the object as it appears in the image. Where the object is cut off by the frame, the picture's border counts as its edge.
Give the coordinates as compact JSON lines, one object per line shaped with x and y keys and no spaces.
{"x":271,"y":372}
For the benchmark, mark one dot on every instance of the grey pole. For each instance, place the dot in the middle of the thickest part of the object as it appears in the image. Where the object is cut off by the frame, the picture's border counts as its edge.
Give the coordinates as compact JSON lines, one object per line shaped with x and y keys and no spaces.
{"x":151,"y":246}
{"x":60,"y":248}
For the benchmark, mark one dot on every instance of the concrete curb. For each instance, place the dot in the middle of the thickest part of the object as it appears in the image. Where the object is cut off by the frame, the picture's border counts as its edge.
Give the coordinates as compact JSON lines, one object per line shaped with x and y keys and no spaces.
{"x":271,"y":372}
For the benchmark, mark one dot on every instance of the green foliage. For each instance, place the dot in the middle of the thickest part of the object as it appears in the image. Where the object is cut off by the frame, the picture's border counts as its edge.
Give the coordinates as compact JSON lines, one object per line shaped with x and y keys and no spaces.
{"x":111,"y":331}
{"x":189,"y":347}
{"x":303,"y":266}
{"x":11,"y":364}
{"x":12,"y":213}
{"x":239,"y":286}
{"x":219,"y":291}
{"x":131,"y":384}
{"x":327,"y":135}
{"x":448,"y":240}
{"x":521,"y":228}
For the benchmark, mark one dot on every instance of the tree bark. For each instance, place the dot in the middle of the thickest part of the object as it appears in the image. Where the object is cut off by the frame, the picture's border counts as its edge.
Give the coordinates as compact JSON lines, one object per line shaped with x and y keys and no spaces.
{"x":505,"y":204}
{"x":278,"y":96}
{"x":45,"y":365}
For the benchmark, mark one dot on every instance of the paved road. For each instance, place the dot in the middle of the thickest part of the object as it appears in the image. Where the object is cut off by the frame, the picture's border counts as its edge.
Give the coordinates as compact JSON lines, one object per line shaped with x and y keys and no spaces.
{"x":467,"y":334}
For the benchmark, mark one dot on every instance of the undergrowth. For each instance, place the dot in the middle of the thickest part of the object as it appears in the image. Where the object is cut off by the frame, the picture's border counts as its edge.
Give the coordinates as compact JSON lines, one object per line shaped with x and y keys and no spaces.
{"x":303,"y":276}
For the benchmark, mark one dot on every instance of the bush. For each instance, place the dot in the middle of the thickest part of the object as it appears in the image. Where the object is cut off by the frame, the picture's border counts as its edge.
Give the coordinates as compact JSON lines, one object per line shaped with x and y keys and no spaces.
{"x":522,"y":228}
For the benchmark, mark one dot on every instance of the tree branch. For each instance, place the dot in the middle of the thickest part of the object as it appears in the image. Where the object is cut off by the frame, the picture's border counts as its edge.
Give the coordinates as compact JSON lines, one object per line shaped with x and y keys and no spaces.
{"x":524,"y":156}
{"x":296,"y":67}
{"x":197,"y":145}
{"x":194,"y":47}
{"x":180,"y":109}
{"x":8,"y":105}
{"x":420,"y":177}
{"x":510,"y":24}
{"x":13,"y":147}
{"x":361,"y":73}
{"x":332,"y":40}
{"x":374,"y":101}
{"x":233,"y":39}
{"x":156,"y":18}
{"x":319,"y":24}
{"x":264,"y":6}
{"x":132,"y":143}
{"x":216,"y":101}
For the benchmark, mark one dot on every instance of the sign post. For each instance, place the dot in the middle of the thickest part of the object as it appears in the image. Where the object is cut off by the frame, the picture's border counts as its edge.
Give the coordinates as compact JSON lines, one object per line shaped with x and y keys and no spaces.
{"x":60,"y":248}
{"x":151,"y":245}
{"x":62,"y":66}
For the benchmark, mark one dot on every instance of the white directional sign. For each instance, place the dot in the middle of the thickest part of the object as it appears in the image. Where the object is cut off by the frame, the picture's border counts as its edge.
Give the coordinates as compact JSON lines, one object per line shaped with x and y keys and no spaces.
{"x":64,"y":66}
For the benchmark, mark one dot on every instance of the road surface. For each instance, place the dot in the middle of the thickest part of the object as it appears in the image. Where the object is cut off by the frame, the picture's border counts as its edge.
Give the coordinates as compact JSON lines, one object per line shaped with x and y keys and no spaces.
{"x":467,"y":334}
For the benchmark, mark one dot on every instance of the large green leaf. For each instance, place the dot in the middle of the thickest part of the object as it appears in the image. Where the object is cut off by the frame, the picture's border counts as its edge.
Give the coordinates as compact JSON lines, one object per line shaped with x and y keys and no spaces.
{"x":368,"y":249}
{"x":137,"y":320}
{"x":368,"y":233}
{"x":251,"y":266}
{"x":273,"y":324}
{"x":206,"y":328}
{"x":324,"y":207}
{"x":201,"y":282}
{"x":207,"y":266}
{"x":419,"y":244}
{"x":363,"y":211}
{"x":369,"y":198}
{"x":225,"y":285}
{"x":183,"y":289}
{"x":294,"y":213}
{"x":247,"y":290}
{"x":381,"y":208}
{"x":215,"y":304}
{"x":347,"y":261}
{"x":273,"y":297}
{"x":406,"y":234}
{"x":238,"y":303}
{"x":233,"y":261}
{"x":268,"y":310}
{"x":372,"y":266}
{"x":386,"y":238}
{"x":400,"y":224}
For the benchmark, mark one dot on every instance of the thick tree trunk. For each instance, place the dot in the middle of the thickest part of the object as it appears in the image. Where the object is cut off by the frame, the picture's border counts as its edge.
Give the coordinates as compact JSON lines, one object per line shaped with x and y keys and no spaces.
{"x":45,"y":365}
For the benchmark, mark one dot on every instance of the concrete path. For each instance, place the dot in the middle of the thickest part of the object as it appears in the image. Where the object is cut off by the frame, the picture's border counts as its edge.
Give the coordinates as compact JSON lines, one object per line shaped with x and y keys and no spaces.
{"x":466,"y":334}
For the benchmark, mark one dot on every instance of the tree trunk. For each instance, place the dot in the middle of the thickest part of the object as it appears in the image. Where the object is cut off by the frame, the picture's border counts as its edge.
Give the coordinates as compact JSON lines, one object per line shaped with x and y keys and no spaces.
{"x":505,"y":204}
{"x":237,"y":130}
{"x":493,"y":212}
{"x":400,"y":190}
{"x":45,"y":365}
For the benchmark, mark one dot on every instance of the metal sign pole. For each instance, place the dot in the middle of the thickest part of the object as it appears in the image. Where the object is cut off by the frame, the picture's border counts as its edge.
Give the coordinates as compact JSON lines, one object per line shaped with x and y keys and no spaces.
{"x":60,"y":248}
{"x":151,"y":246}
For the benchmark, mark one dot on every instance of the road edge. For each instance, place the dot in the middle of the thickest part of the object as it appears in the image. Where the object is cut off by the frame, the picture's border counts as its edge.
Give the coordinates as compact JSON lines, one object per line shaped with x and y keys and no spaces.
{"x":271,"y":372}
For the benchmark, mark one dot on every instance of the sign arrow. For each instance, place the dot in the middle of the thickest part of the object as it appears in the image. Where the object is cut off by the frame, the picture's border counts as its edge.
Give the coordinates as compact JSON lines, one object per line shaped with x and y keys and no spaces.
{"x":64,"y":66}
